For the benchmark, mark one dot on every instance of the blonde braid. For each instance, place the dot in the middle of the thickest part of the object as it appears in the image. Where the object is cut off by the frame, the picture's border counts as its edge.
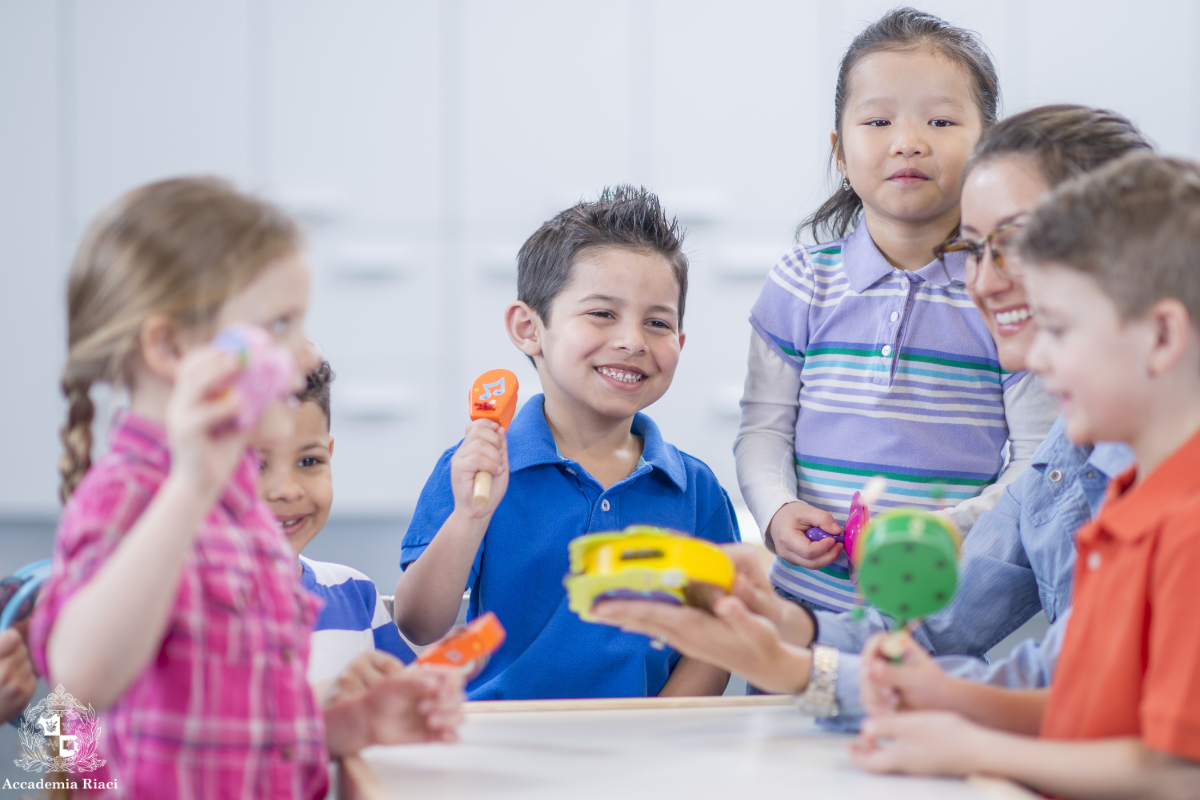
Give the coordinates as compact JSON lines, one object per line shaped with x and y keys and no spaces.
{"x":76,"y":435}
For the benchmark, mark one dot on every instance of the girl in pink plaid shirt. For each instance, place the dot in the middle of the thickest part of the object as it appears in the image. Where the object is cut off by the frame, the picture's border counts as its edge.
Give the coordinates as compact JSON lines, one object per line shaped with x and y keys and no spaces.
{"x":175,"y":606}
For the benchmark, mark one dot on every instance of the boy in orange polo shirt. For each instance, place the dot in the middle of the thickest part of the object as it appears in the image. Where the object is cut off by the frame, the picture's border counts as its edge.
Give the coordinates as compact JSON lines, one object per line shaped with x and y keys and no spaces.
{"x":1112,"y":262}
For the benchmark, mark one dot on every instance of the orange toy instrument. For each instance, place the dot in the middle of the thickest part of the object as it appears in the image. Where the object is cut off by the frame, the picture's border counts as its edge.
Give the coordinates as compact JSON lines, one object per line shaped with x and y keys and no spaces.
{"x":468,"y":649}
{"x":493,"y":396}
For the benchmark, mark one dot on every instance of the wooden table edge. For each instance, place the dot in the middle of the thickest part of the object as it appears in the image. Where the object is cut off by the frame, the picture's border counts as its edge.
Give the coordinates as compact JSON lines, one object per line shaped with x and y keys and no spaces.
{"x":625,"y":703}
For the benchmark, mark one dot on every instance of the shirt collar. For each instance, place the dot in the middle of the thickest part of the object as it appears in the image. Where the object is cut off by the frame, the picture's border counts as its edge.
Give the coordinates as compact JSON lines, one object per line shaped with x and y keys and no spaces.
{"x":135,"y":436}
{"x":1111,"y":458}
{"x":531,"y":444}
{"x":865,"y":266}
{"x":1130,"y":512}
{"x":1059,"y":451}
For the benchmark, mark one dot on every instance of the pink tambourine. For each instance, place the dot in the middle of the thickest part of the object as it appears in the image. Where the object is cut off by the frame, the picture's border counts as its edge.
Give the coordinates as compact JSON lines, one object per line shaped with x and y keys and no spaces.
{"x":268,"y":371}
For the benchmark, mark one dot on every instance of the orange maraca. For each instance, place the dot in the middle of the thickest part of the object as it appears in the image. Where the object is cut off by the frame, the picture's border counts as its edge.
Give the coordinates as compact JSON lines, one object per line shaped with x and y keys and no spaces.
{"x":493,"y":396}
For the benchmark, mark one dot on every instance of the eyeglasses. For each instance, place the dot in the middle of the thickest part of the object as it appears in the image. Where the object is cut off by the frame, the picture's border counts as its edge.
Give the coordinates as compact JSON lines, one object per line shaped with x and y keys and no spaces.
{"x":998,"y":240}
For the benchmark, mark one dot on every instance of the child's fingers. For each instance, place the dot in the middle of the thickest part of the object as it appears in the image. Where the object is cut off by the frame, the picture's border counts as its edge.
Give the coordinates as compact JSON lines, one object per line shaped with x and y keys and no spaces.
{"x":486,"y":431}
{"x":797,"y":549}
{"x":214,"y":413}
{"x":803,"y":516}
{"x":474,"y":462}
{"x":206,"y":371}
{"x":10,"y":642}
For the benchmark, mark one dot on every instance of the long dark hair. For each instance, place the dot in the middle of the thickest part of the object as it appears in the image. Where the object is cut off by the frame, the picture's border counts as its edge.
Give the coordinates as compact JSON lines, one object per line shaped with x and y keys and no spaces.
{"x":900,"y":29}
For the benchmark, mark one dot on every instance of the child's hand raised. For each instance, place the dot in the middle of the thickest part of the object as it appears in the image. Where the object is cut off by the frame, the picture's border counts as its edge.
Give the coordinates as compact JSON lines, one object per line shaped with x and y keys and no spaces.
{"x":376,"y":700}
{"x":914,"y":683}
{"x":787,"y":532}
{"x":484,"y":449}
{"x":205,"y":444}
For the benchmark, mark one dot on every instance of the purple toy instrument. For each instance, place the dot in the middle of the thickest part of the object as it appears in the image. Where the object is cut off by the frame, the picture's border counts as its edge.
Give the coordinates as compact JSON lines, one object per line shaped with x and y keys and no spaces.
{"x":856,"y":522}
{"x":268,"y":371}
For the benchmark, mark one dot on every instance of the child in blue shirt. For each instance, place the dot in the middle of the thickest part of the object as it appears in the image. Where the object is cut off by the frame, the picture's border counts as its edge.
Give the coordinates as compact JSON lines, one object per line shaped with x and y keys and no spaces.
{"x":297,"y":482}
{"x":601,"y":291}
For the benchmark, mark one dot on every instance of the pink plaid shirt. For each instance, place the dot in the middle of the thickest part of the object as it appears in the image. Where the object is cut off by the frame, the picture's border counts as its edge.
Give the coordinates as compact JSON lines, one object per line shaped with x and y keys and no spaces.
{"x":224,"y":710}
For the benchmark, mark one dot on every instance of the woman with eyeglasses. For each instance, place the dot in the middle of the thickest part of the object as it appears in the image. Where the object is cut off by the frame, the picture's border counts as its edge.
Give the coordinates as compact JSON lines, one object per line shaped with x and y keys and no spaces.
{"x":1019,"y":557}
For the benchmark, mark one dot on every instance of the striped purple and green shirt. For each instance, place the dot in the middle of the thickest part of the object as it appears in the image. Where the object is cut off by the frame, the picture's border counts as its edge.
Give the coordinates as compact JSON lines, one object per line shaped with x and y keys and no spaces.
{"x":899,"y":377}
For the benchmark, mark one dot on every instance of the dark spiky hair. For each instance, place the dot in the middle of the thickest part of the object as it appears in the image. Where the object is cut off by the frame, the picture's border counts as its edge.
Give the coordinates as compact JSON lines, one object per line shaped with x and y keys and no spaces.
{"x":317,"y":389}
{"x":624,"y":216}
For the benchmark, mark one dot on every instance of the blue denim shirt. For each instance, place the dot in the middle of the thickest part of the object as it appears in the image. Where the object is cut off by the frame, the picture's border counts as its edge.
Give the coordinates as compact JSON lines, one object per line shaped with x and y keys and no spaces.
{"x":1018,"y":559}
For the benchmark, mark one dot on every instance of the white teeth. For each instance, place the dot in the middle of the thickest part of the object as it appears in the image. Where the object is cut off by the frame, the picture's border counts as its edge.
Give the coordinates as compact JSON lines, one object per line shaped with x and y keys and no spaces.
{"x":620,"y":375}
{"x":1013,"y":317}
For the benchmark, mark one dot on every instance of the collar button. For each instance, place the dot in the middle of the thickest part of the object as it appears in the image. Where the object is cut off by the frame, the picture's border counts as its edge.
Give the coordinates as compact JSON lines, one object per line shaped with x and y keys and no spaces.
{"x":1055,"y":475}
{"x":1093,"y":560}
{"x":605,"y":505}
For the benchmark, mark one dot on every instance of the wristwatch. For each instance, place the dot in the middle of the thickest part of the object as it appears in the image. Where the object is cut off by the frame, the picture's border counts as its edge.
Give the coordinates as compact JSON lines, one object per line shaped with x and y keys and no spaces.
{"x":820,"y":698}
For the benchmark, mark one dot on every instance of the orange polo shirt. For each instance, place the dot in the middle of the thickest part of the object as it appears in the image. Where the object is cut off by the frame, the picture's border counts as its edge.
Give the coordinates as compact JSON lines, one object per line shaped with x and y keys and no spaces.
{"x":1130,"y":663}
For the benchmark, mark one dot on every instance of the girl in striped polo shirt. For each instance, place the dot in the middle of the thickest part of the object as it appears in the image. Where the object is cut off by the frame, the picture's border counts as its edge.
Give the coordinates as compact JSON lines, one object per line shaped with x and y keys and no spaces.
{"x":868,"y":357}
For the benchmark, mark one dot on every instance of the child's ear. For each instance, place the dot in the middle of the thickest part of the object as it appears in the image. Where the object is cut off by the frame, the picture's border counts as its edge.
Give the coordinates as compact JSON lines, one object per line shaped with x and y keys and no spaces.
{"x":524,"y":327}
{"x":331,"y":446}
{"x":837,"y":152}
{"x":160,"y":346}
{"x":1173,"y":334}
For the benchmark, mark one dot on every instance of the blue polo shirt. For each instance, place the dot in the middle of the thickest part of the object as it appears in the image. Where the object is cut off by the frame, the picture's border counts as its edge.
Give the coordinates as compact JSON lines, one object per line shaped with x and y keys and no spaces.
{"x":518,"y":571}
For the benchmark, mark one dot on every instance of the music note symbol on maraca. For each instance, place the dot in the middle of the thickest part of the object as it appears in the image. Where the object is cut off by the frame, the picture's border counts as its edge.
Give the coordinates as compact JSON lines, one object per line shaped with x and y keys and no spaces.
{"x":493,"y":396}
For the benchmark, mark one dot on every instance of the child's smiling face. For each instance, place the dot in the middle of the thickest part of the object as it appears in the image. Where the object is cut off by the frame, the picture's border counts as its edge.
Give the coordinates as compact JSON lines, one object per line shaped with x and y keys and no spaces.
{"x":1091,"y":360}
{"x":296,"y":479}
{"x":908,"y":128}
{"x":613,"y":339}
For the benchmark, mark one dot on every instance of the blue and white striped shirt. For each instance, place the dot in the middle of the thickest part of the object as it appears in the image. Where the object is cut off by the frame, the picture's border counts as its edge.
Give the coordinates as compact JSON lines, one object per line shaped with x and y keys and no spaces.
{"x":352,"y":621}
{"x":899,"y":377}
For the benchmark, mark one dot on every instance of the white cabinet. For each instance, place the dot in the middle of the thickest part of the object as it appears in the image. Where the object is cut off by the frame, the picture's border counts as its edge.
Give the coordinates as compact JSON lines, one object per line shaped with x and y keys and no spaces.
{"x":421,"y":142}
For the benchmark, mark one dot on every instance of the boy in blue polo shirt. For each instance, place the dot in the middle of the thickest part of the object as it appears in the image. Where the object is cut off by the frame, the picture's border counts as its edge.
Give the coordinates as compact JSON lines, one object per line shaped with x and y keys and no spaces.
{"x":601,"y":290}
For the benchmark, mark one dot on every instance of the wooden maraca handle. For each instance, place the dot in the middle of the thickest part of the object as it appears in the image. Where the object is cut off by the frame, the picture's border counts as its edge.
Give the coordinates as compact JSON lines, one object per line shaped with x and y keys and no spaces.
{"x":483,"y":488}
{"x":893,"y":645}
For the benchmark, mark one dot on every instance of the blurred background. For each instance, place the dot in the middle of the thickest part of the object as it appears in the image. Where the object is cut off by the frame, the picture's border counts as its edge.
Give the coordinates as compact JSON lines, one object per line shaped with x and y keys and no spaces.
{"x":420,"y":142}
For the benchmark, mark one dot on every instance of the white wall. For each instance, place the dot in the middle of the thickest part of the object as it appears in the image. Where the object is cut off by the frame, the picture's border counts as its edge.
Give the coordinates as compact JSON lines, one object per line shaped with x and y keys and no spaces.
{"x":422,"y":141}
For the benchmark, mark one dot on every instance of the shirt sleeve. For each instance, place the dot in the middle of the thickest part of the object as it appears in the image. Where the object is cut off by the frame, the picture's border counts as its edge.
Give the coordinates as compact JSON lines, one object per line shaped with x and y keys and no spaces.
{"x":434,"y":507}
{"x":722,"y":526}
{"x":1030,"y":414}
{"x":765,"y":447}
{"x":95,"y":521}
{"x":998,"y":591}
{"x":1030,"y":665}
{"x":387,"y":635}
{"x":1170,"y":710}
